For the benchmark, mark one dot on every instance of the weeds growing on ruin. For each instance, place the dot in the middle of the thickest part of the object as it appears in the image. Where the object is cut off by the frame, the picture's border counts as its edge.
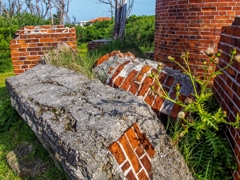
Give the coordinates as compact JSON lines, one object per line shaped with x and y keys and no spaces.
{"x":198,"y":131}
{"x":69,"y":59}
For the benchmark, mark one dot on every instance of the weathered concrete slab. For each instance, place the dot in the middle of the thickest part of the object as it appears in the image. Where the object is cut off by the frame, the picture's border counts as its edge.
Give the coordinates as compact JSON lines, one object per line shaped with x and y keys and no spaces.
{"x":76,"y":119}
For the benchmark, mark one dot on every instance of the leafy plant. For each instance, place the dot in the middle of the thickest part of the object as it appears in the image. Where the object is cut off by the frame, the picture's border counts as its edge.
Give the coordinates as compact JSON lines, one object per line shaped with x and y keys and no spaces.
{"x":199,"y":134}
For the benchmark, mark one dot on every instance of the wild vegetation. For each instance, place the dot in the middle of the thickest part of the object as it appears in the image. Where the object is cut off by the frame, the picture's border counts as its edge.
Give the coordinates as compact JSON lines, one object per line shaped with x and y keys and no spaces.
{"x":139,"y":33}
{"x":198,"y":130}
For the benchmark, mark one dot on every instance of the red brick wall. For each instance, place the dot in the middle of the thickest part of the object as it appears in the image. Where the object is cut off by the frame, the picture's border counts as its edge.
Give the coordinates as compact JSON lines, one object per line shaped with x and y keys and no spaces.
{"x":191,"y":26}
{"x":97,"y":43}
{"x":227,"y":85}
{"x":33,"y":41}
{"x":133,"y":152}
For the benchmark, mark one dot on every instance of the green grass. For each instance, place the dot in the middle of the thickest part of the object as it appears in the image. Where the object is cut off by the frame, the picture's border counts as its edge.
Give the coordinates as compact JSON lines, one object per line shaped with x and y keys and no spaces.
{"x":82,"y":50}
{"x":81,"y":62}
{"x":3,"y":90}
{"x":13,"y":132}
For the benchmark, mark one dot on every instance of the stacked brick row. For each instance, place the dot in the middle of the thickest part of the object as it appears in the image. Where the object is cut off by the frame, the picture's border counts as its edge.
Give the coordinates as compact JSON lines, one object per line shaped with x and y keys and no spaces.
{"x":190,"y":25}
{"x":133,"y":153}
{"x":92,"y":45}
{"x":227,"y":85}
{"x":33,"y":41}
{"x":132,"y":74}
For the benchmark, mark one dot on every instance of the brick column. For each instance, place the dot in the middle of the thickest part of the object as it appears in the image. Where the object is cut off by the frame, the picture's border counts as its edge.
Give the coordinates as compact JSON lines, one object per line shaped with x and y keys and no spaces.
{"x":192,"y":26}
{"x":227,"y":85}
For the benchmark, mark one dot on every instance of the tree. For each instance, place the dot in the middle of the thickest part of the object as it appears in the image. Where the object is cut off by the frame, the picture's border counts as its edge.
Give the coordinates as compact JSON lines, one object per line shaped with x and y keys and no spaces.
{"x":121,"y":12}
{"x":11,"y":7}
{"x":62,"y":8}
{"x":112,"y":4}
{"x":39,"y":8}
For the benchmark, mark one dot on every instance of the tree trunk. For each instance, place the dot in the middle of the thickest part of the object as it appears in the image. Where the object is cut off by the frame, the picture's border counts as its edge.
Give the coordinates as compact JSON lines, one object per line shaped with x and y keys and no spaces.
{"x":120,"y":19}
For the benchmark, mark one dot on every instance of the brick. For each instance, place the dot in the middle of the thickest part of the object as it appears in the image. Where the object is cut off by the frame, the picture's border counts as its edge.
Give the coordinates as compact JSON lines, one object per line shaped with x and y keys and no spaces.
{"x":30,"y":27}
{"x":134,"y":88}
{"x":151,"y":176}
{"x":236,"y":32}
{"x":17,"y":54}
{"x":31,"y":40}
{"x":32,"y":57}
{"x":15,"y":46}
{"x":158,"y":103}
{"x":17,"y":63}
{"x":128,"y":81}
{"x":169,"y":81}
{"x":144,"y":70}
{"x":18,"y":71}
{"x":117,"y":152}
{"x":139,"y":151}
{"x":118,"y":70}
{"x":145,"y":86}
{"x":130,"y":133}
{"x":142,"y":176}
{"x":131,"y":176}
{"x":162,"y":77}
{"x":47,"y":40}
{"x":144,"y":141}
{"x":118,"y":81}
{"x":45,"y":26}
{"x":101,"y":60}
{"x":125,"y":166}
{"x":23,"y":45}
{"x":146,"y":163}
{"x":16,"y":67}
{"x":149,"y":99}
{"x":130,"y":153}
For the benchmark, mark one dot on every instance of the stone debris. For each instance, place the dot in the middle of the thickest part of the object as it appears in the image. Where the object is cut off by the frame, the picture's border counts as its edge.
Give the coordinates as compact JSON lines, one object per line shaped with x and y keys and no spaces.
{"x":77,"y":119}
{"x":24,"y":164}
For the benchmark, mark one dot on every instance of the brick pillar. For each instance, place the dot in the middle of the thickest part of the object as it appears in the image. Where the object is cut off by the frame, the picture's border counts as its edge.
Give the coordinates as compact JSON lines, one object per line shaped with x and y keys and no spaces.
{"x":227,"y":85}
{"x":192,"y":26}
{"x":33,"y":41}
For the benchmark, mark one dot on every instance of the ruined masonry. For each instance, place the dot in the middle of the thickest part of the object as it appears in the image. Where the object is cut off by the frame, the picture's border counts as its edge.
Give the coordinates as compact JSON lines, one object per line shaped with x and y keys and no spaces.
{"x":32,"y":42}
{"x":94,"y":131}
{"x":124,"y":71}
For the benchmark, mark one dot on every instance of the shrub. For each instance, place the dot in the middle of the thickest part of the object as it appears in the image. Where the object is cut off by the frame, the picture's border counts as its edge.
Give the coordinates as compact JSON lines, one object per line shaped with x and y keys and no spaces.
{"x":198,"y":132}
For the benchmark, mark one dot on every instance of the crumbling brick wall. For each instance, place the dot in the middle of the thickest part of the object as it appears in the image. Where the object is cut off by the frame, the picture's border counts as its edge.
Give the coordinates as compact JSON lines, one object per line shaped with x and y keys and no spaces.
{"x":190,"y":26}
{"x":227,"y":85}
{"x":92,"y":45}
{"x":32,"y":42}
{"x":124,"y":71}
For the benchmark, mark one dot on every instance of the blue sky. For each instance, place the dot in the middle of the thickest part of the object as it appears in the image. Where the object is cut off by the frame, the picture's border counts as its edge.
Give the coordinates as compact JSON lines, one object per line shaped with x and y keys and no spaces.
{"x":89,"y":9}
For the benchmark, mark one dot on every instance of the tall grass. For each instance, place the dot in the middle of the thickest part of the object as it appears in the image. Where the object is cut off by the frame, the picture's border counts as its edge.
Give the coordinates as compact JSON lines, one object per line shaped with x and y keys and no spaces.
{"x":68,"y":59}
